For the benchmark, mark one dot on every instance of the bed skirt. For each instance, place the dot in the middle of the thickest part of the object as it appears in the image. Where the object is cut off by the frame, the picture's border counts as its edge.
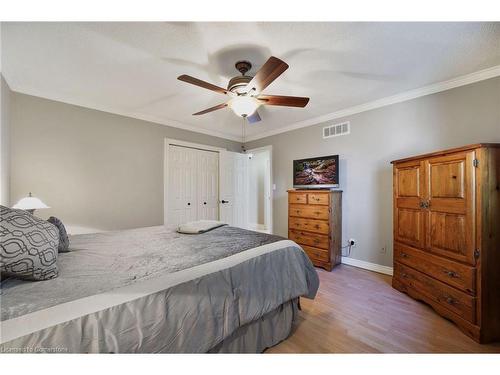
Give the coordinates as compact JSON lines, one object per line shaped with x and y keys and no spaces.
{"x":263,"y":333}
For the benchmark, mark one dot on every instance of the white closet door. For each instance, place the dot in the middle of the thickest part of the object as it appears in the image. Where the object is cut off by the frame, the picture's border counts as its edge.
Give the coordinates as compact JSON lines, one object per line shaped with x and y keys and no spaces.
{"x":182,"y":191}
{"x":208,"y":185}
{"x":241,"y":191}
{"x":233,"y":188}
{"x":226,"y":192}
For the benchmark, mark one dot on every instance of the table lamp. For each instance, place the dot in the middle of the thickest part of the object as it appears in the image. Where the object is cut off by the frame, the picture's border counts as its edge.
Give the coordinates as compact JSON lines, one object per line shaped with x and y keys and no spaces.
{"x":30,"y":204}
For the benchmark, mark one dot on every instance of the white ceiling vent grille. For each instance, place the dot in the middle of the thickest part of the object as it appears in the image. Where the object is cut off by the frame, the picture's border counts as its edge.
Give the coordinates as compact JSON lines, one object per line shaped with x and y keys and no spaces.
{"x":338,"y":129}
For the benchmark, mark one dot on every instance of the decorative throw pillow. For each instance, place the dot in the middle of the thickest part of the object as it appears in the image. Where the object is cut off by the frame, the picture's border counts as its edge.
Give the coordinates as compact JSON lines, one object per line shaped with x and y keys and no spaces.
{"x":28,"y":249}
{"x":63,"y":236}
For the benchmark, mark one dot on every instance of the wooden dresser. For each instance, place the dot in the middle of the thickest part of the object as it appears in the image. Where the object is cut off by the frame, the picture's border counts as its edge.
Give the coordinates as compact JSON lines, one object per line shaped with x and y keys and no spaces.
{"x":447,"y":235}
{"x":315,"y":223}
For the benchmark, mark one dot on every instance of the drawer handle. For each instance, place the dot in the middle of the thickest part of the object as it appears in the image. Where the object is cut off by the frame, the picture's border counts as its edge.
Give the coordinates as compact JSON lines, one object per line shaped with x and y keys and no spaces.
{"x":318,"y":213}
{"x":298,"y":198}
{"x":451,"y":301}
{"x":316,"y":226}
{"x":298,"y":211}
{"x":404,"y":255}
{"x":404,"y":275}
{"x":316,"y":240}
{"x":451,"y":274}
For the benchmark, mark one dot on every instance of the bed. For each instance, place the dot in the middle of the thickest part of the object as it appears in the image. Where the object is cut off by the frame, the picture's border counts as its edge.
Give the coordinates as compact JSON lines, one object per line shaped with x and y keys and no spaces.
{"x":153,"y":290}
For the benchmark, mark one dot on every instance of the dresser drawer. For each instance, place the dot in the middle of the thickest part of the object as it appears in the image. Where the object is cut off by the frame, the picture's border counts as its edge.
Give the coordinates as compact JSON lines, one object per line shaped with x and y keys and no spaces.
{"x":310,"y":225}
{"x":312,"y":212}
{"x":299,"y":198}
{"x":452,"y":273}
{"x":315,"y":253}
{"x":310,"y":239}
{"x":318,"y":198}
{"x":460,"y":303}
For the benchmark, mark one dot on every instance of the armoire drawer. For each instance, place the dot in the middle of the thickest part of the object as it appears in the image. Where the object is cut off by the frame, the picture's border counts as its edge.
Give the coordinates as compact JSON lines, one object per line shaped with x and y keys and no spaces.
{"x":315,"y":253}
{"x":310,"y":225}
{"x":298,"y":198}
{"x":452,"y":273}
{"x":312,"y":212}
{"x":318,"y":198}
{"x":460,"y":303}
{"x":310,"y":239}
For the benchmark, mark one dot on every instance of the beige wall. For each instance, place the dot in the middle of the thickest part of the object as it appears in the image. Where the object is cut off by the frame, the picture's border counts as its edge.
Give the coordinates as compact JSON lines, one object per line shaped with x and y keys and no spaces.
{"x":95,"y":169}
{"x":456,"y":117}
{"x":5,"y":95}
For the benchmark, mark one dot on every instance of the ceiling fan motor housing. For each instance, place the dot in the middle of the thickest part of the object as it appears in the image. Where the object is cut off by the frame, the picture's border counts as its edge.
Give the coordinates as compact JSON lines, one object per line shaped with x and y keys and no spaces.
{"x":238,"y":84}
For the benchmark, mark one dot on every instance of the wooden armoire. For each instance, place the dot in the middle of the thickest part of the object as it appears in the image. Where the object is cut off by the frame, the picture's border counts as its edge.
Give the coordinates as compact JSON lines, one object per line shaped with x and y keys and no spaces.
{"x":447,"y":235}
{"x":315,"y":223}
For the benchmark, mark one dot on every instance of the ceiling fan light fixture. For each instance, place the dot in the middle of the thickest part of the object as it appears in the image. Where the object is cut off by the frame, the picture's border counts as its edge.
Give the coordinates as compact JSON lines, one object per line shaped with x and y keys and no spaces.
{"x":244,"y":106}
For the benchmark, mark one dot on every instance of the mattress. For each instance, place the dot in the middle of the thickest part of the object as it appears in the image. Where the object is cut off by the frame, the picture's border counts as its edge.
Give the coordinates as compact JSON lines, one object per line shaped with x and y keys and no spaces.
{"x":154,"y":290}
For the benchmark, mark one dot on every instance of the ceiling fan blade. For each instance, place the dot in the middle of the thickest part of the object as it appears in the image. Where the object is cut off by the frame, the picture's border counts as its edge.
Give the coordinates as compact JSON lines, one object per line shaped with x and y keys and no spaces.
{"x":200,"y":83}
{"x":271,"y":70}
{"x":253,"y":118}
{"x":287,"y":101}
{"x":214,"y":108}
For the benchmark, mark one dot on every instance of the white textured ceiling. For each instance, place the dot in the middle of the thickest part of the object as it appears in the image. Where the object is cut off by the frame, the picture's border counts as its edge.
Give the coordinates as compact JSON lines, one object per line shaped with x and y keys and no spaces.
{"x":131,"y":68}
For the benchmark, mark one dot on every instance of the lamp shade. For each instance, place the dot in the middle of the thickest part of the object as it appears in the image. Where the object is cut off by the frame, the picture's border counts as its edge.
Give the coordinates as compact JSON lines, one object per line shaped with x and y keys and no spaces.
{"x":244,"y":105}
{"x":30,"y":203}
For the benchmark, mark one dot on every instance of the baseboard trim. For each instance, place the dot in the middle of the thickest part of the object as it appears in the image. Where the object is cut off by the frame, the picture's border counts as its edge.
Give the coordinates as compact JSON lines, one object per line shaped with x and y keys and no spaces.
{"x":367,"y":265}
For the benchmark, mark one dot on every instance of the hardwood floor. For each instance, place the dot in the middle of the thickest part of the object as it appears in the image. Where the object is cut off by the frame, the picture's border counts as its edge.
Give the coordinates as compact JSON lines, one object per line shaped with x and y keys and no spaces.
{"x":357,"y":311}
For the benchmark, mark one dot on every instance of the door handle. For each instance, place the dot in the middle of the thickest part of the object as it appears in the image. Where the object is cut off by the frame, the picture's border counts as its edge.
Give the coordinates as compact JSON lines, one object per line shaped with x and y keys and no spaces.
{"x":223,"y":201}
{"x":424,"y":204}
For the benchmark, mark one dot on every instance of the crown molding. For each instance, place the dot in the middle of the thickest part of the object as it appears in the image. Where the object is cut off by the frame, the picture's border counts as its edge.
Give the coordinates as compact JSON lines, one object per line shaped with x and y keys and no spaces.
{"x":135,"y":115}
{"x":398,"y":98}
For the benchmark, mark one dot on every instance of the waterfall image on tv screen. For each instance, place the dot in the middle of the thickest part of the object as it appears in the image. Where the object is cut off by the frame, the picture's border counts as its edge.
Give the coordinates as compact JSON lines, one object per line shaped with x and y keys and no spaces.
{"x":316,"y":171}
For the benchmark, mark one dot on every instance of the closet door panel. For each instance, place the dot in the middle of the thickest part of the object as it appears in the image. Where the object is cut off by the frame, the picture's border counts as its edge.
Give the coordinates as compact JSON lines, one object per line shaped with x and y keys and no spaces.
{"x":208,"y":185}
{"x":182,"y":192}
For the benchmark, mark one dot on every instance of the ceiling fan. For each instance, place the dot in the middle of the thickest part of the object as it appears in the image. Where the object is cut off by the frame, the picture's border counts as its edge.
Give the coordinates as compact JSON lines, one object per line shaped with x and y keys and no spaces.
{"x":246,"y":92}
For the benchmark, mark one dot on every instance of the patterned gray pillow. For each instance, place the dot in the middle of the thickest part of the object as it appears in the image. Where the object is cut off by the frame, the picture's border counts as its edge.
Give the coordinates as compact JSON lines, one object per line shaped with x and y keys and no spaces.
{"x":28,"y":249}
{"x":63,"y":236}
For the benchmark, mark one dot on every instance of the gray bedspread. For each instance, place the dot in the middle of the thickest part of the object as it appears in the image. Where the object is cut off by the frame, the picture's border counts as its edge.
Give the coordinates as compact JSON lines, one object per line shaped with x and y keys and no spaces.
{"x":100,"y":262}
{"x":152,"y":290}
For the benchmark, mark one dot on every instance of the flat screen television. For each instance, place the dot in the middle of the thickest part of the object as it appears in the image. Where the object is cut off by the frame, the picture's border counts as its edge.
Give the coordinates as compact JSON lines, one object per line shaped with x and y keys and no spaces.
{"x":316,"y":173}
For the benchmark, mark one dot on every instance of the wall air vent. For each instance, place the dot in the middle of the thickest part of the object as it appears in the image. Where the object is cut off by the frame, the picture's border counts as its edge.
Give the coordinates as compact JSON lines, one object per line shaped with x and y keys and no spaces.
{"x":338,"y":129}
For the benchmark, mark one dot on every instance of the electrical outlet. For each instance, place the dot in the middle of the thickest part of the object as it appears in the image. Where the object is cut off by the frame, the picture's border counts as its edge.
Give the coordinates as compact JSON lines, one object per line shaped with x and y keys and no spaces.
{"x":352,"y":242}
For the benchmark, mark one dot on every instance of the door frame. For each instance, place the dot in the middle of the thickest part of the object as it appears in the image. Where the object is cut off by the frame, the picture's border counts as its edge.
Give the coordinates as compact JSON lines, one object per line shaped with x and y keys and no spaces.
{"x":271,"y":181}
{"x":176,"y":142}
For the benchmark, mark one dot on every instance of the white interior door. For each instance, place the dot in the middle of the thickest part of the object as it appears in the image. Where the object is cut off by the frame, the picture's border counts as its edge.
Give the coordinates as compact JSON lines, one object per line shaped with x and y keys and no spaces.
{"x":233,"y":188}
{"x":182,"y":187}
{"x":267,"y":195}
{"x":208,"y":185}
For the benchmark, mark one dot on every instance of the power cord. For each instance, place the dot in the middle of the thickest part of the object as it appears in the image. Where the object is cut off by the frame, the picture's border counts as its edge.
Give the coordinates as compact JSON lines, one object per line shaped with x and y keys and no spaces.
{"x":349,"y":247}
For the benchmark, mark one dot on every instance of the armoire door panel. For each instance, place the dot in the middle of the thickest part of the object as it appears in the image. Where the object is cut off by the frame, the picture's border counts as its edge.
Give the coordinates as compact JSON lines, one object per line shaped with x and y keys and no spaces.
{"x":408,"y":182}
{"x":450,"y":215}
{"x":447,"y":179}
{"x":448,"y":232}
{"x":410,"y":226}
{"x":409,"y":220}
